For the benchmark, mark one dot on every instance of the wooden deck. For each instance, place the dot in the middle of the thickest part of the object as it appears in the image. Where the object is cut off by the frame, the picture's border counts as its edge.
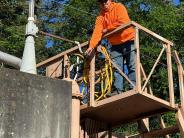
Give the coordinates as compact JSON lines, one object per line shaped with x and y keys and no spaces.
{"x":126,"y":107}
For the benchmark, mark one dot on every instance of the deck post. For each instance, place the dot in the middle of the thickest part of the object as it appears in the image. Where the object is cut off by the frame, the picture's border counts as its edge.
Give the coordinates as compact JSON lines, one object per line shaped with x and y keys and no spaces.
{"x":92,"y":81}
{"x":137,"y":60}
{"x":66,"y":67}
{"x":181,"y":84}
{"x":75,"y":117}
{"x":180,"y":121}
{"x":180,"y":77}
{"x":170,"y":75}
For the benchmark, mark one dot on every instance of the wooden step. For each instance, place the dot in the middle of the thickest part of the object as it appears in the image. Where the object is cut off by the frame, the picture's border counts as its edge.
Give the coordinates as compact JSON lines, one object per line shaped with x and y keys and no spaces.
{"x":158,"y":133}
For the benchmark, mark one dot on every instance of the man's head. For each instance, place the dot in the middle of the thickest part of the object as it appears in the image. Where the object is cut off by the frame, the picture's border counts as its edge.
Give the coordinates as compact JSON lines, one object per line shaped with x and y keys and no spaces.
{"x":105,"y":4}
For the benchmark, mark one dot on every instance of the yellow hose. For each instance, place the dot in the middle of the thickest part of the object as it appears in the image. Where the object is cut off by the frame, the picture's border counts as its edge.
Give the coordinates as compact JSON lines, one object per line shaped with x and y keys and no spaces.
{"x":105,"y":78}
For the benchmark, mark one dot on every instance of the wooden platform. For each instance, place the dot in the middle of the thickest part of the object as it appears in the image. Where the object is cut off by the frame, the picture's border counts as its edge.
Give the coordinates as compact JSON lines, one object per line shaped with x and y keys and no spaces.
{"x":126,"y":107}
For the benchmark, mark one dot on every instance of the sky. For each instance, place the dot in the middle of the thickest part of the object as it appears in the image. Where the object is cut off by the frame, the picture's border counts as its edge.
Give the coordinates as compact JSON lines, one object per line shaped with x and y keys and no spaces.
{"x":176,"y":2}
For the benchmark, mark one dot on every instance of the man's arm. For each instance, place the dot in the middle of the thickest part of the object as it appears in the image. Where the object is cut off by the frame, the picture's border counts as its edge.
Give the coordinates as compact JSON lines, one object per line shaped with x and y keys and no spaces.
{"x":97,"y":32}
{"x":96,"y":36}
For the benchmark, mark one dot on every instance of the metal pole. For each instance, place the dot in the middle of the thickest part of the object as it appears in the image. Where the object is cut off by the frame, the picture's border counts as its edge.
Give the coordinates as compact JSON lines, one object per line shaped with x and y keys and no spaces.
{"x":28,"y":60}
{"x":10,"y":60}
{"x":31,"y":8}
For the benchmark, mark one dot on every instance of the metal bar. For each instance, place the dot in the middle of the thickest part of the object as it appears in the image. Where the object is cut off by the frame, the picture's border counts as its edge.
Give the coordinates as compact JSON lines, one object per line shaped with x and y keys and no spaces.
{"x":58,"y":37}
{"x":153,"y":68}
{"x":170,"y":75}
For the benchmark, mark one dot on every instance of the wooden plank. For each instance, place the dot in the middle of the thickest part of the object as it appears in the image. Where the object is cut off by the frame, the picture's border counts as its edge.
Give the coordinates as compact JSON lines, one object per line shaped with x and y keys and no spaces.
{"x":126,"y":107}
{"x":54,"y":70}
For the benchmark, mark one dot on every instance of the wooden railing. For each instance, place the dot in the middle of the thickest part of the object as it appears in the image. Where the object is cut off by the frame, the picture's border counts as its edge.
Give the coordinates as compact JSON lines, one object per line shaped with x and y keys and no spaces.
{"x":59,"y":65}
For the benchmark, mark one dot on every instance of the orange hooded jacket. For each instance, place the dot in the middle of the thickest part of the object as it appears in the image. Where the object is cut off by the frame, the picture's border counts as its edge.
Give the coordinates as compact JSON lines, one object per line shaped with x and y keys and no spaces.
{"x":110,"y":20}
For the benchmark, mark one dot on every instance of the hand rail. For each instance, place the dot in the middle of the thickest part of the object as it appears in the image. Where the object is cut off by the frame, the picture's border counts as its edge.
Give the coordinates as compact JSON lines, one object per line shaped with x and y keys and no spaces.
{"x":137,"y":28}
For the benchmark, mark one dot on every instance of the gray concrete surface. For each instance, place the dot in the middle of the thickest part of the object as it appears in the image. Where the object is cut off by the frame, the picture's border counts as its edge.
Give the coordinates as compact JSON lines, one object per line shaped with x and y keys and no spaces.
{"x":33,"y":106}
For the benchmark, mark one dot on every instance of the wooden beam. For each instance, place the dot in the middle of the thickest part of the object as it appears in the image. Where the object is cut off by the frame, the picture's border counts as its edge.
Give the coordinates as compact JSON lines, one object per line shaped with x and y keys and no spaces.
{"x":120,"y":28}
{"x":59,"y":56}
{"x":137,"y":60}
{"x":162,"y":124}
{"x":144,"y":78}
{"x":154,"y":66}
{"x":92,"y":81}
{"x":157,"y":133}
{"x":152,"y":33}
{"x":180,"y":121}
{"x":170,"y":75}
{"x":181,"y":78}
{"x":66,"y":67}
{"x":144,"y":125}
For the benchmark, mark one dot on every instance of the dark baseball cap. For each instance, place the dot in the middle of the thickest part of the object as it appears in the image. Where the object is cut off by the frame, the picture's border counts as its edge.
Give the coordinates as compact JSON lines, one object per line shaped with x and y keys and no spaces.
{"x":102,"y":1}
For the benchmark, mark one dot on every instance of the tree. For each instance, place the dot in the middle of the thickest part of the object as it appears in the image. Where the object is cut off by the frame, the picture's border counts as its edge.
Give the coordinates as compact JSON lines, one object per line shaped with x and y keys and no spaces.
{"x":12,"y":24}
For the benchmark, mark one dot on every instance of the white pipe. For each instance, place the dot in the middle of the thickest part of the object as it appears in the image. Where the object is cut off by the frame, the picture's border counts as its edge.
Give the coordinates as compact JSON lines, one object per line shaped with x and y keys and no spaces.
{"x":31,"y":8}
{"x":10,"y":60}
{"x":29,"y":60}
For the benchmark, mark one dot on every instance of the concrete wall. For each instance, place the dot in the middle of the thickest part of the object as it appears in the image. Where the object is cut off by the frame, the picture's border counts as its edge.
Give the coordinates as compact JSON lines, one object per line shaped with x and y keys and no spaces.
{"x":33,"y":106}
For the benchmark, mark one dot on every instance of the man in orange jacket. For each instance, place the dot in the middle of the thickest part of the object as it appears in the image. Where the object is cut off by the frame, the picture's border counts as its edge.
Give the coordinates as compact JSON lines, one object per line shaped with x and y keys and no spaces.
{"x":113,"y":15}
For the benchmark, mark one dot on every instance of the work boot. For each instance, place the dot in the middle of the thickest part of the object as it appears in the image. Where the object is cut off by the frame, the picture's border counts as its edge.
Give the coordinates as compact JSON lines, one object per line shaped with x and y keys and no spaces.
{"x":113,"y":92}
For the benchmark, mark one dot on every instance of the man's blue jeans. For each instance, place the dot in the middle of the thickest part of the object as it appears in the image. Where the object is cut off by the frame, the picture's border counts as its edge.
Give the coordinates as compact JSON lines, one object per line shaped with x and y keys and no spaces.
{"x":124,"y":56}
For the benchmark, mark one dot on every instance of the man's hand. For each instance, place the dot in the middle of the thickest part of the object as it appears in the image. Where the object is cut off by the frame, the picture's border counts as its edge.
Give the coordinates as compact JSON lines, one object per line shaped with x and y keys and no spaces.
{"x":89,"y":51}
{"x":104,"y":31}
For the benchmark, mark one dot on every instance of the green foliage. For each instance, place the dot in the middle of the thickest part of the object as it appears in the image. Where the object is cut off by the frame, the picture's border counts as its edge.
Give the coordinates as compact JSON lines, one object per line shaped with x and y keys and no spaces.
{"x":12,"y":21}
